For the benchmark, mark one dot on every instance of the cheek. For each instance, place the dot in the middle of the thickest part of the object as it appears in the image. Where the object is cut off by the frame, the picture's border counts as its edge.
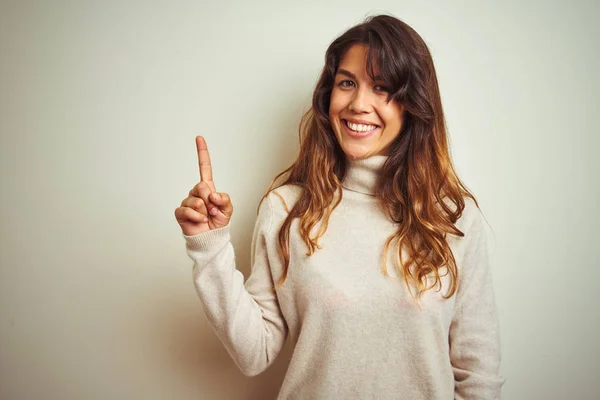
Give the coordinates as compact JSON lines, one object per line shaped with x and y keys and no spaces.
{"x":392,"y":118}
{"x":336,"y":103}
{"x":333,"y":106}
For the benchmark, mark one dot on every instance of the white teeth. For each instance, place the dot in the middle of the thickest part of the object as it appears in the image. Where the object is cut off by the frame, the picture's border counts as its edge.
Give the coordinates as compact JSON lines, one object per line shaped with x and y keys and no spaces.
{"x":360,"y":127}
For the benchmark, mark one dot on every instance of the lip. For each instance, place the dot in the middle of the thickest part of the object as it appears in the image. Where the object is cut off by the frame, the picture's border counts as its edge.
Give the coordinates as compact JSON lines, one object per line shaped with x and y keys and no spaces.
{"x":359,"y":121}
{"x":358,"y":135}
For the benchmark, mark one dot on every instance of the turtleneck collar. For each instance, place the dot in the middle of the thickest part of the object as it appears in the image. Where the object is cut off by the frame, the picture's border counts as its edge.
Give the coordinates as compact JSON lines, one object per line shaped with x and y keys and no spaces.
{"x":362,"y":175}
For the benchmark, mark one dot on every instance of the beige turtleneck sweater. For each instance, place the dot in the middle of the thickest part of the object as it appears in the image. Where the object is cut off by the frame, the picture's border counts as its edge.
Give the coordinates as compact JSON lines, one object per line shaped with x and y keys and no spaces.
{"x":356,"y":333}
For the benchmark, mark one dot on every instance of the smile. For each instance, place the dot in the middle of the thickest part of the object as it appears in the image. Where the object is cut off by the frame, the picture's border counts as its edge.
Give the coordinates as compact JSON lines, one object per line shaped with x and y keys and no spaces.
{"x":359,"y":130}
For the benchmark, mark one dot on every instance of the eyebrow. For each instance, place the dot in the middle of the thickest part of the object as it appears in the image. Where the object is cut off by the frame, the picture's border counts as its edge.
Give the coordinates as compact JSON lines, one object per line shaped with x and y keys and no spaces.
{"x":351,"y":75}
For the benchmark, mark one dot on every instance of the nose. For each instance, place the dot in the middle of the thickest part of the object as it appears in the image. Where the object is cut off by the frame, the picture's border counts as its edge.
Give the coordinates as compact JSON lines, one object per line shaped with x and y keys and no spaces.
{"x":361,"y":101}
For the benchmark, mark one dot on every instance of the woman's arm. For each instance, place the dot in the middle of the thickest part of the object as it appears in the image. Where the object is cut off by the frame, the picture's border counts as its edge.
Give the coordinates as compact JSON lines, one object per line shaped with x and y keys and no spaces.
{"x":246,"y":317}
{"x":474,"y":331}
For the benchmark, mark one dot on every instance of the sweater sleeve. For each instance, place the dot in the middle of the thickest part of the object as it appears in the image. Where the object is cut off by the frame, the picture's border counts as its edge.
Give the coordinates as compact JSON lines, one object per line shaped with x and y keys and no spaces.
{"x":474,"y":331}
{"x":245,"y":316}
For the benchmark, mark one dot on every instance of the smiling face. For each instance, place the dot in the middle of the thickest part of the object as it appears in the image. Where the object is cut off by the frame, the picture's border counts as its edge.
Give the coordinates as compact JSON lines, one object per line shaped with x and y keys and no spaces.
{"x":363,"y":121}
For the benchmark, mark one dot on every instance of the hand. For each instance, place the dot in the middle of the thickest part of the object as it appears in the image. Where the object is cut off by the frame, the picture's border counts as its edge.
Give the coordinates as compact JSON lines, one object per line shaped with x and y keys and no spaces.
{"x":204,"y":209}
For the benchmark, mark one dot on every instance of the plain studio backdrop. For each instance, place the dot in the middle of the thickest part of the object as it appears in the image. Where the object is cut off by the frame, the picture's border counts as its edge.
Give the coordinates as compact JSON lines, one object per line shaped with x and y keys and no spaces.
{"x":99,"y":106}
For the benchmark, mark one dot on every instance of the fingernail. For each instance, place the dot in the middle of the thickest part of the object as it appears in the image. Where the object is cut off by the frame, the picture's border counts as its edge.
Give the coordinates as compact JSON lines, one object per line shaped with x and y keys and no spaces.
{"x":213,"y":211}
{"x":216,"y":196}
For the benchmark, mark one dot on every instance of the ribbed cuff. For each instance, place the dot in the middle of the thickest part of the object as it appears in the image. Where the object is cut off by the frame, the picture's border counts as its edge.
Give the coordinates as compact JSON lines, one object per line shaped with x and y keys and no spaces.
{"x":208,"y":240}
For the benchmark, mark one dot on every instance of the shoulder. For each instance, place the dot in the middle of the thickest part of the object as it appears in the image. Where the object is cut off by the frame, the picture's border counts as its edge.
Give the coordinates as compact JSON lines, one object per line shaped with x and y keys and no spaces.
{"x":470,"y":213}
{"x":274,"y":208}
{"x":282,"y":199}
{"x":471,"y":221}
{"x":478,"y":234}
{"x":471,"y":217}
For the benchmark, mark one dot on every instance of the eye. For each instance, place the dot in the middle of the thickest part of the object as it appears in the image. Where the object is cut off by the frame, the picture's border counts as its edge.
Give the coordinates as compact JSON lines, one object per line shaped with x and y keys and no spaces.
{"x":345,"y":83}
{"x":380,"y":88}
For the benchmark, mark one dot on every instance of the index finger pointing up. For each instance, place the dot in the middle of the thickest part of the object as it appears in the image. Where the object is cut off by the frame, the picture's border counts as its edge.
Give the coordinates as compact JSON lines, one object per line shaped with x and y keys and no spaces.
{"x":203,"y":160}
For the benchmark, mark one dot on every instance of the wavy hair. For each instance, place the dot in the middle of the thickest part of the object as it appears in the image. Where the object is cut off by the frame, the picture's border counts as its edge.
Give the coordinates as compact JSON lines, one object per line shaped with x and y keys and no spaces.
{"x":416,"y":178}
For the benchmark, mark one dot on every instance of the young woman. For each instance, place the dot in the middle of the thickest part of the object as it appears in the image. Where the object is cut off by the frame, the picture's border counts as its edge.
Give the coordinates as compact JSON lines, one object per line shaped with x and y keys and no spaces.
{"x":369,"y":254}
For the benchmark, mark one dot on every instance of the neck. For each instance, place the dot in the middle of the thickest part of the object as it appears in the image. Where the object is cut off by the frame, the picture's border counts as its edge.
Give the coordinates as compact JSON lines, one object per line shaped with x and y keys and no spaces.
{"x":362,"y":175}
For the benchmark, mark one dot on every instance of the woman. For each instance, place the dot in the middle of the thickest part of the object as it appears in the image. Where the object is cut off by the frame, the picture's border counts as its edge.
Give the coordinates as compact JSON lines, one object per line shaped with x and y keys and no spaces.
{"x":370,"y":255}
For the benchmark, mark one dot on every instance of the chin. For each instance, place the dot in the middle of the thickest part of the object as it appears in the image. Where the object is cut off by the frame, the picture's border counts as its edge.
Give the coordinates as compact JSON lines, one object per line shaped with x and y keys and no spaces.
{"x":356,"y":155}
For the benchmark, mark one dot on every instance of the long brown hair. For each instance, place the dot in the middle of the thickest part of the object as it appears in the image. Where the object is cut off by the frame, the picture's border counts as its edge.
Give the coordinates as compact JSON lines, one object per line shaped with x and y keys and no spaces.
{"x":417,"y":179}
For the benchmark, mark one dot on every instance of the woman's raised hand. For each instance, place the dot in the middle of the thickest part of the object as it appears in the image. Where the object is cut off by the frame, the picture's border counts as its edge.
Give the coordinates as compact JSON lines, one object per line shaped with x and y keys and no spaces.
{"x":204,"y":209}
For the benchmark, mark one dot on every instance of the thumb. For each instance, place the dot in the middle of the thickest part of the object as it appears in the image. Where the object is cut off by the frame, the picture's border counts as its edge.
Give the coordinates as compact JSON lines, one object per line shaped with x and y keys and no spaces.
{"x":222,"y":201}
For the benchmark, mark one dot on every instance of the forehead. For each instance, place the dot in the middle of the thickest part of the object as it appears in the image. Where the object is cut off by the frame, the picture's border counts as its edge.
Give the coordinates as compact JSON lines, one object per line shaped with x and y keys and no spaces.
{"x":355,"y":61}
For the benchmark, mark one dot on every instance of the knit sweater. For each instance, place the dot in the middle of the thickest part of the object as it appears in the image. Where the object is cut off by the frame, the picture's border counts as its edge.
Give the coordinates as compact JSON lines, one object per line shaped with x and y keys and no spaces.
{"x":357,"y":334}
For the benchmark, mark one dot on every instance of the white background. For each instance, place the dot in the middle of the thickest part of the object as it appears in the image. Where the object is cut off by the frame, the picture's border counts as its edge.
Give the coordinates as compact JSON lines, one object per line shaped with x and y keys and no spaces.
{"x":99,"y":106}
